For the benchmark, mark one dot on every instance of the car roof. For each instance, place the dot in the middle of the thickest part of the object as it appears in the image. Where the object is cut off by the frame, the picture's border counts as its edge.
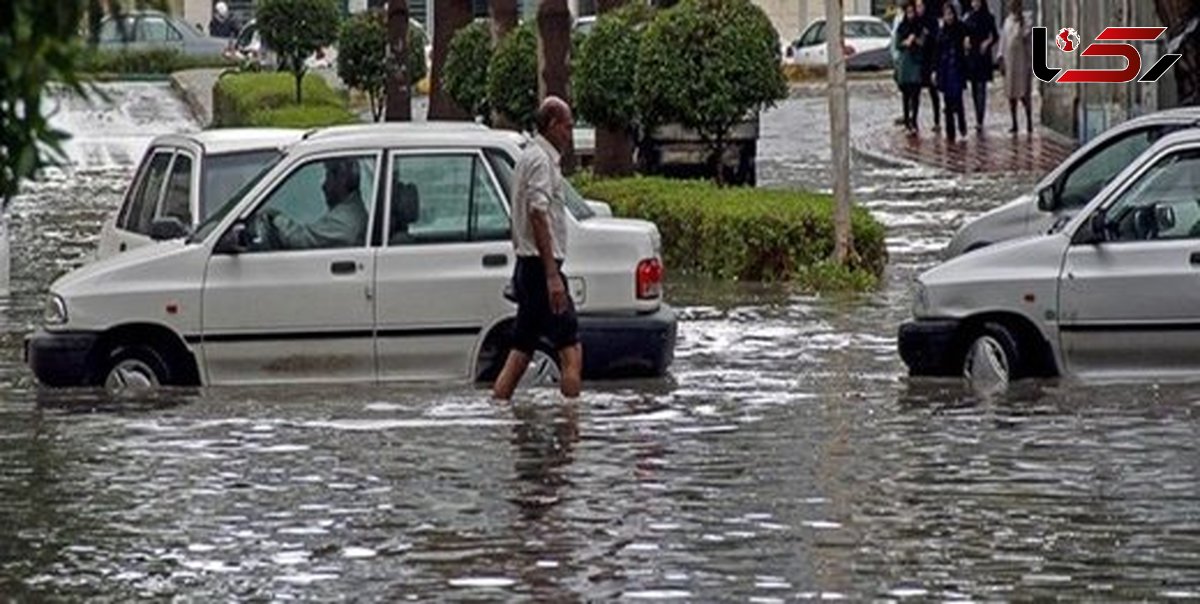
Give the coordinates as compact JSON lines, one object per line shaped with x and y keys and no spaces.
{"x":1167,"y":115}
{"x":232,"y":140}
{"x":860,"y":18}
{"x":407,"y":134}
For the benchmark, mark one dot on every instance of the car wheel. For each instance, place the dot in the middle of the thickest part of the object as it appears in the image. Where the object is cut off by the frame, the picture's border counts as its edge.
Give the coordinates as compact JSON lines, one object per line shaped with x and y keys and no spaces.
{"x":135,"y":368}
{"x":992,"y":356}
{"x":543,"y":370}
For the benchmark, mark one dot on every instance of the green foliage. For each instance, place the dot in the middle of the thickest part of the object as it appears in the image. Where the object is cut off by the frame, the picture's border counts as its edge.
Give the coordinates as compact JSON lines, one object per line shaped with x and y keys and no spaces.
{"x":362,"y":60}
{"x":417,"y":69}
{"x":157,"y":62}
{"x":746,"y":233}
{"x":295,"y":29}
{"x":238,"y":96}
{"x":466,"y":72}
{"x":38,"y":44}
{"x":603,"y":71}
{"x":512,"y":80}
{"x":708,"y":64}
{"x":302,"y":116}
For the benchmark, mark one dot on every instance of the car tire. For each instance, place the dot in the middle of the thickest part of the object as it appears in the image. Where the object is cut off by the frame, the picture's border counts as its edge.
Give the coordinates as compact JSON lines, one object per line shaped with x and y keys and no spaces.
{"x":135,"y":367}
{"x":992,"y":354}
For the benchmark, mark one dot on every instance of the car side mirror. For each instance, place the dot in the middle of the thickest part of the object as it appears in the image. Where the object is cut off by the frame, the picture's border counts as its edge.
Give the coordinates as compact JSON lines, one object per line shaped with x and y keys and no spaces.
{"x":168,"y":227}
{"x":235,"y":241}
{"x":790,"y":52}
{"x":1047,"y":200}
{"x":1097,"y":228}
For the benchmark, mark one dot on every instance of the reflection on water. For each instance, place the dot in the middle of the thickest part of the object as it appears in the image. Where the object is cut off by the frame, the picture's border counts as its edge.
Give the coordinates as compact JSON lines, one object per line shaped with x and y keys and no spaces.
{"x":785,"y":459}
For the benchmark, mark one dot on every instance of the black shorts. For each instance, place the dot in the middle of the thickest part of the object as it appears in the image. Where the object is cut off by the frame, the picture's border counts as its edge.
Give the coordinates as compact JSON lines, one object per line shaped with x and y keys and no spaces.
{"x":535,"y":321}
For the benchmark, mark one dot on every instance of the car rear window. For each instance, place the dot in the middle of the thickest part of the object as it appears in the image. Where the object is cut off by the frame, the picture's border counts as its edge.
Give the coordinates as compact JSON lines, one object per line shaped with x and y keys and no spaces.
{"x":226,"y":174}
{"x":867,"y":29}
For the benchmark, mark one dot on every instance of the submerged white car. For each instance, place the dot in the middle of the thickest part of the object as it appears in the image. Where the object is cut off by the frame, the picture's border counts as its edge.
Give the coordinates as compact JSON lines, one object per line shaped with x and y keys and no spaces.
{"x":396,"y":271}
{"x":1113,"y":293}
{"x":1070,"y":186}
{"x":190,"y":177}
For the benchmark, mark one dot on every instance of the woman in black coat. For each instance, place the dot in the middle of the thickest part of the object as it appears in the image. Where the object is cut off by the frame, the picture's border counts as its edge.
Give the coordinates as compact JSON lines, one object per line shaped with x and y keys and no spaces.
{"x":980,"y":44}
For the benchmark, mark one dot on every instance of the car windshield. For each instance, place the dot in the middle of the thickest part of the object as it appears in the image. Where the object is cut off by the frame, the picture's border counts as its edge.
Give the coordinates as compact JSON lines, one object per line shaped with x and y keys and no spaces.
{"x":206,"y":228}
{"x":224,"y":175}
{"x":503,"y":165}
{"x":867,"y":29}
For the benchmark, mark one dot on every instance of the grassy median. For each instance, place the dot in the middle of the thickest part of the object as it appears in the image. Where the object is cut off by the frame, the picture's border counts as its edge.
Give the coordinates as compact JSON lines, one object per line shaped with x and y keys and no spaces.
{"x":269,"y":100}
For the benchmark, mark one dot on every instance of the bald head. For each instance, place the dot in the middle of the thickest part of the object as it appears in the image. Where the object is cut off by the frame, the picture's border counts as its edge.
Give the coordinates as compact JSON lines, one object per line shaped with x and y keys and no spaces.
{"x":554,"y":122}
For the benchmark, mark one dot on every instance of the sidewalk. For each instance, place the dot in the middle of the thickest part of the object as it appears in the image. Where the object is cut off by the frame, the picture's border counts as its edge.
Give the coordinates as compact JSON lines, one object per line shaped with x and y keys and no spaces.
{"x":994,"y":150}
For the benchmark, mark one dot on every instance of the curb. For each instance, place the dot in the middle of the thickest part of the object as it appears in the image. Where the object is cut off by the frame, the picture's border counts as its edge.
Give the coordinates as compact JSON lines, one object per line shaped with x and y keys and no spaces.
{"x":190,"y":98}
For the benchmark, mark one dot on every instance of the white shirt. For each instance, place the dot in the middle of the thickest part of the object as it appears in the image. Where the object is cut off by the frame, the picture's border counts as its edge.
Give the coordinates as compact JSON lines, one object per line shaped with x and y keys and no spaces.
{"x":539,"y":187}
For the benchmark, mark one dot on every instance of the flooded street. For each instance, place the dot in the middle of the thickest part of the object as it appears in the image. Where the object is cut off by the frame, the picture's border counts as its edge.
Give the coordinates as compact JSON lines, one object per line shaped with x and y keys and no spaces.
{"x":786,"y":458}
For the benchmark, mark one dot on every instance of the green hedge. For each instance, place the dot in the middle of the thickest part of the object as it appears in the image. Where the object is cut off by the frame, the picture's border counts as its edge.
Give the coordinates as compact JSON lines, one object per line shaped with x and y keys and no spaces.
{"x":268,"y":99}
{"x":143,"y":62}
{"x":745,"y":233}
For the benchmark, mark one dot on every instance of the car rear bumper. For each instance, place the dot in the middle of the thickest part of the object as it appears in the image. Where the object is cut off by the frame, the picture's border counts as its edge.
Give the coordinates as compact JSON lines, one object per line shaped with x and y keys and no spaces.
{"x":927,"y":346}
{"x":618,"y":346}
{"x":60,"y":359}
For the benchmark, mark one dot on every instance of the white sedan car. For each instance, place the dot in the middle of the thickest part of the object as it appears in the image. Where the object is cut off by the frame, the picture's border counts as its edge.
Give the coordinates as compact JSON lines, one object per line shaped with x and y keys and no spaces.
{"x":868,"y":41}
{"x":1112,"y":294}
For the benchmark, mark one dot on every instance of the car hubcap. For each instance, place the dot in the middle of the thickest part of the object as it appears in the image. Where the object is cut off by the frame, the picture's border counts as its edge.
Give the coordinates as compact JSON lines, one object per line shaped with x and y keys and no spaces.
{"x":542,"y":371}
{"x":131,"y":374}
{"x":986,"y":362}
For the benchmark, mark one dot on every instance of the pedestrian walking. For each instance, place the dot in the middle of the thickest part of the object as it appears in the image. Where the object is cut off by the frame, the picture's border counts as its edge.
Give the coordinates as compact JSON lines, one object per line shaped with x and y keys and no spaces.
{"x":539,"y":232}
{"x":908,"y":67}
{"x":929,"y":54}
{"x":1018,"y":64}
{"x":980,"y":46}
{"x":223,"y":24}
{"x":951,"y":78}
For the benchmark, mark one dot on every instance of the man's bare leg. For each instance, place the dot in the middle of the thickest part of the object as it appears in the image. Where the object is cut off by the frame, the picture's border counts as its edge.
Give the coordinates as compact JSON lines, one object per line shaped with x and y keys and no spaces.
{"x":506,"y":382}
{"x":571,"y":360}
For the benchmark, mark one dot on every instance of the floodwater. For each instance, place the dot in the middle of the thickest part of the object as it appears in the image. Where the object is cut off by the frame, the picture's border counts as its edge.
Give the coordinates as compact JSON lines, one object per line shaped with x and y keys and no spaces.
{"x":785,"y":459}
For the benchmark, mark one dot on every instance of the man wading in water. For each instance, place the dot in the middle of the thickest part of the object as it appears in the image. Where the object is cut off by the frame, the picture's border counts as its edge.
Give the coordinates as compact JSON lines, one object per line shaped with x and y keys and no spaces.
{"x":539,"y":231}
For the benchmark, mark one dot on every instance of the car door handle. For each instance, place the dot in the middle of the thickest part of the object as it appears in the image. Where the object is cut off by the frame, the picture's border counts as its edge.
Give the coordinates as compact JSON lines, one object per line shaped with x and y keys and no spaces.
{"x":494,"y":260}
{"x":1195,"y":258}
{"x":343,"y":267}
{"x":124,"y":246}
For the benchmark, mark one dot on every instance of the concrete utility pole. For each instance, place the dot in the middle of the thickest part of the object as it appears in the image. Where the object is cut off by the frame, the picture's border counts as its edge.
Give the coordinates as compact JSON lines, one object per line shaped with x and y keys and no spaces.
{"x":839,"y":132}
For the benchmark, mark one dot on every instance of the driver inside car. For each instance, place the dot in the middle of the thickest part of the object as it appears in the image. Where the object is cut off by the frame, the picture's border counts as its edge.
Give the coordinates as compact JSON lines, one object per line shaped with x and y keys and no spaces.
{"x":344,"y":224}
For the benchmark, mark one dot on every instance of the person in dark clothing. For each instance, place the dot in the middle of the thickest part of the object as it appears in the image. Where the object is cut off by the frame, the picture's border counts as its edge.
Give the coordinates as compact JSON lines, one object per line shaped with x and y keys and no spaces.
{"x":981,"y":41}
{"x":909,"y":47}
{"x":929,"y":51}
{"x":950,"y":71}
{"x":223,"y":25}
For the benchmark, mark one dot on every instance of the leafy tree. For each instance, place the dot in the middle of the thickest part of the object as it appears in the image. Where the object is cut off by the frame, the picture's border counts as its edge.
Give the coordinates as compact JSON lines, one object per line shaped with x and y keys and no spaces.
{"x":707,"y":65}
{"x":466,"y":73}
{"x":603,"y":83}
{"x":512,"y":76}
{"x":295,"y":29}
{"x":1182,"y":18}
{"x":364,"y":61}
{"x":39,"y":43}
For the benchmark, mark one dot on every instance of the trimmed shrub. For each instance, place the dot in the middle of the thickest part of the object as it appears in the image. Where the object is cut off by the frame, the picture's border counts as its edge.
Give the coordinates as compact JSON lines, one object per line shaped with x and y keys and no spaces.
{"x":744,"y":233}
{"x":707,"y":65}
{"x":238,"y":96}
{"x":295,"y":29}
{"x":466,"y":71}
{"x":144,"y":62}
{"x":362,"y":60}
{"x":302,"y":116}
{"x":602,"y":82}
{"x":513,"y":78}
{"x":417,"y":69}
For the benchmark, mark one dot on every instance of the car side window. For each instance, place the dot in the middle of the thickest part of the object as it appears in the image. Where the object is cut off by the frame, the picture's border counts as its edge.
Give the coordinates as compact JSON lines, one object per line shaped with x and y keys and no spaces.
{"x":111,"y":32}
{"x":142,"y":206}
{"x":322,"y":204}
{"x":1163,"y":204}
{"x":442,"y":199}
{"x":177,"y":201}
{"x":1082,"y":182}
{"x":155,"y":29}
{"x":818,"y":34}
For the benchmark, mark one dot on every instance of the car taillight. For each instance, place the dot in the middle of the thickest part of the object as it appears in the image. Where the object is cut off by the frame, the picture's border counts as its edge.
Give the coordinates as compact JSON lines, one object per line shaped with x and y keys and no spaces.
{"x":649,"y":279}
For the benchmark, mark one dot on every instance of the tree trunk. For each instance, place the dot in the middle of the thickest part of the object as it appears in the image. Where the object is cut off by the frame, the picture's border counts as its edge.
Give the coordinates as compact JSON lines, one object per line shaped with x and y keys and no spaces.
{"x":448,"y":17}
{"x":1179,"y":16}
{"x":299,"y":85}
{"x":504,"y":18}
{"x":554,"y":50}
{"x":399,"y":103}
{"x":614,"y":147}
{"x":839,"y":130}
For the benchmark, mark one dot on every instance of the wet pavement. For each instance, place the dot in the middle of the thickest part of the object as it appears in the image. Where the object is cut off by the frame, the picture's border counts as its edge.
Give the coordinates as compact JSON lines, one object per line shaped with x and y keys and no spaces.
{"x":785,"y":459}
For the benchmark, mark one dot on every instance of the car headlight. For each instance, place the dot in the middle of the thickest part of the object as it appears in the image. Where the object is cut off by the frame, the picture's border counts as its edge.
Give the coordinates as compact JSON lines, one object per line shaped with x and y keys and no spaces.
{"x":920,"y":305}
{"x":55,"y":312}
